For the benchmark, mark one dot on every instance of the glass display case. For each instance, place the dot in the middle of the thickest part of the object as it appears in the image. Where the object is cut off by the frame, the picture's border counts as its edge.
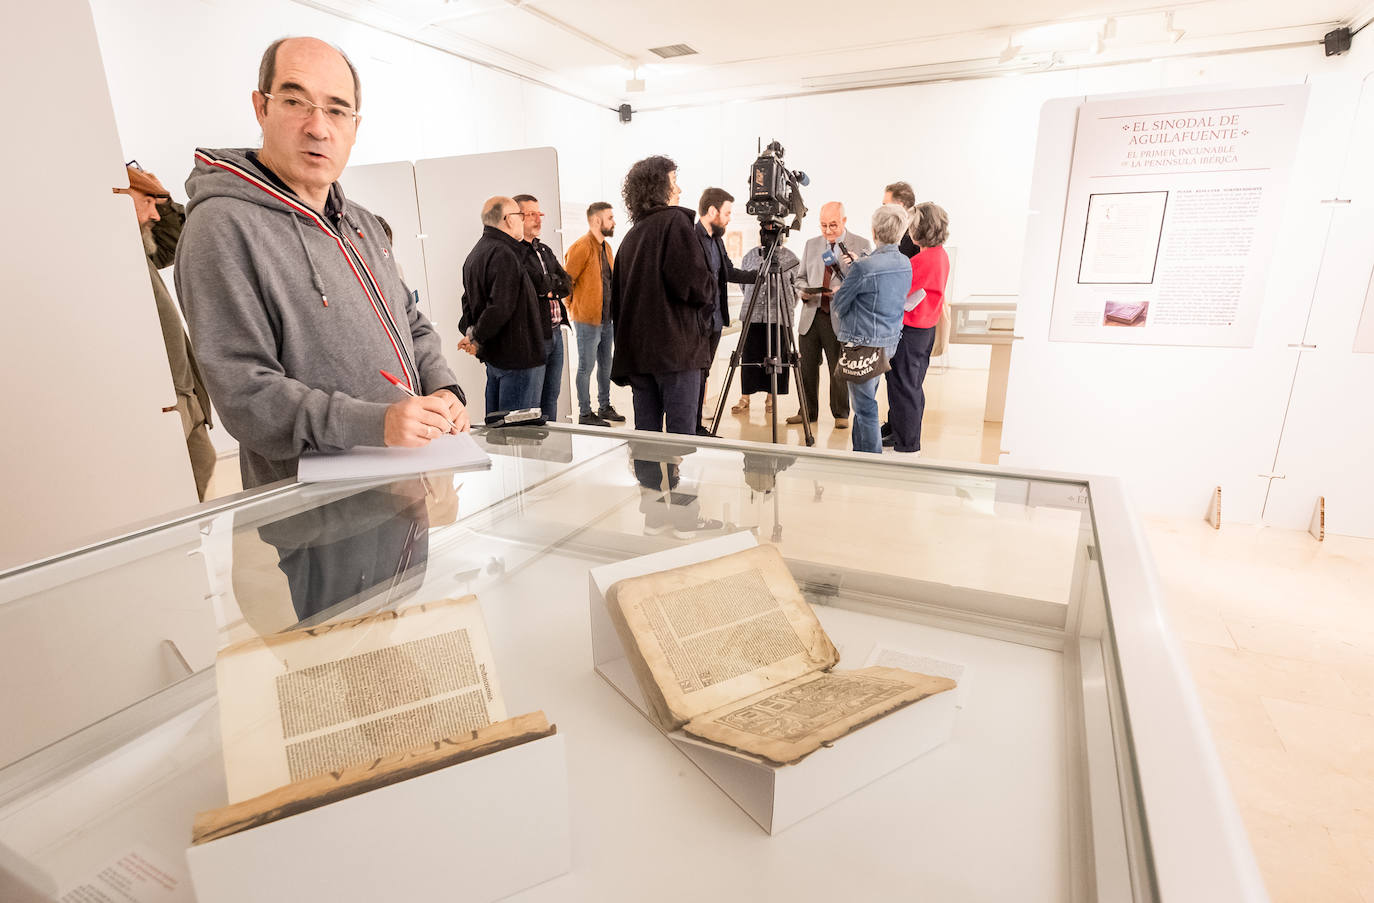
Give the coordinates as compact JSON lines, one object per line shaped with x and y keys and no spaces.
{"x":1080,"y":767}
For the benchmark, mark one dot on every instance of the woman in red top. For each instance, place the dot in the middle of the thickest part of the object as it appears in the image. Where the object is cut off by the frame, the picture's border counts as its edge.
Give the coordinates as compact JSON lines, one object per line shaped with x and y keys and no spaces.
{"x":906,"y":399}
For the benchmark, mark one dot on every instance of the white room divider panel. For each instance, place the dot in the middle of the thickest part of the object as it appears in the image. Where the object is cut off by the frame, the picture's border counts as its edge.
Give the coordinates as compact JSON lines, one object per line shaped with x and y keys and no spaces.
{"x":451,"y":191}
{"x":1177,"y":422}
{"x":1327,"y":447}
{"x":86,"y":447}
{"x":388,"y":190}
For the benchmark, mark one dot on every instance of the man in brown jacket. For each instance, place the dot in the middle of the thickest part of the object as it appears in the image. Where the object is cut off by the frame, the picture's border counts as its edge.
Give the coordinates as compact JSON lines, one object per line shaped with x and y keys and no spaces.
{"x":589,"y":264}
{"x":160,"y":220}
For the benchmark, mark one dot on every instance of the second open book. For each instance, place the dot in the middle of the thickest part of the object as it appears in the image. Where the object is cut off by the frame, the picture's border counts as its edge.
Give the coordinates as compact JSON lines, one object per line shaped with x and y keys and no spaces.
{"x":728,"y":651}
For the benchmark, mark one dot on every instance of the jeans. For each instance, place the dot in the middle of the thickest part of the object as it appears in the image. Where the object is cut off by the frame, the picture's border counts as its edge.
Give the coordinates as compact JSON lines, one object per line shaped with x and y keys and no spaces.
{"x":863,"y":398}
{"x":906,"y":396}
{"x":670,"y":397}
{"x":513,"y":390}
{"x":593,"y":347}
{"x":553,"y":375}
{"x":821,"y":338}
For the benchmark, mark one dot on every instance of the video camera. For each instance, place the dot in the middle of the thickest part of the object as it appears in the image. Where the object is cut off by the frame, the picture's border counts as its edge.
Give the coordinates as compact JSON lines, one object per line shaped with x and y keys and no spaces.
{"x":775,"y":193}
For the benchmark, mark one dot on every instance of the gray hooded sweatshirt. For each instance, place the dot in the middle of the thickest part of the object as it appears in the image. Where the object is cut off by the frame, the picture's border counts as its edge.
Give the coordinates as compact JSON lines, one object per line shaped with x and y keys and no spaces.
{"x":293,"y":313}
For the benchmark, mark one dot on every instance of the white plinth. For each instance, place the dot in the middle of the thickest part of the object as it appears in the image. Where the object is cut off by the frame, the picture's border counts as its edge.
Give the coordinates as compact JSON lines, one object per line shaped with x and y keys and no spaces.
{"x":776,"y":797}
{"x":476,"y":831}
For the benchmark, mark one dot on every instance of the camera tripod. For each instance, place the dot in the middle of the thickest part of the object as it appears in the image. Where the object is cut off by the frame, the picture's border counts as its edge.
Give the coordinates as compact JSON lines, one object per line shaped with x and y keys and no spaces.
{"x":781,"y":343}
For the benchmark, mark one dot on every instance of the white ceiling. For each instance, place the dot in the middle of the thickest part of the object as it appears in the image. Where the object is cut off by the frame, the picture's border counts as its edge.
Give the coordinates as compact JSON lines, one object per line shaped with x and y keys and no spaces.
{"x":590,"y":48}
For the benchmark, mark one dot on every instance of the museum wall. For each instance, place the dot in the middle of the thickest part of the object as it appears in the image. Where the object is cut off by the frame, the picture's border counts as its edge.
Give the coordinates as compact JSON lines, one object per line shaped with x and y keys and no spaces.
{"x":174,"y":89}
{"x":1197,"y":420}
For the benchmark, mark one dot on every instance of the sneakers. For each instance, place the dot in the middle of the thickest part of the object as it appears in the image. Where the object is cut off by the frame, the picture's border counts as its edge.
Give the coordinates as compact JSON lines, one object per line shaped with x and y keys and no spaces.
{"x":686,"y":531}
{"x":611,"y":414}
{"x":703,"y":525}
{"x":593,"y":420}
{"x":889,"y":441}
{"x":841,"y":423}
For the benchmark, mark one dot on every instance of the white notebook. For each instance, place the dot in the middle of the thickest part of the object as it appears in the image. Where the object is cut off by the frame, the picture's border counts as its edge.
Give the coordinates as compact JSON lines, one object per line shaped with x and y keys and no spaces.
{"x":459,"y":452}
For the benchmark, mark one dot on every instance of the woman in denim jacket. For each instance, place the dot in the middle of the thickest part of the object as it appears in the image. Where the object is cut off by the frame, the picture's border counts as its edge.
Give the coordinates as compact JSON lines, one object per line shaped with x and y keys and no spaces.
{"x":867,"y":310}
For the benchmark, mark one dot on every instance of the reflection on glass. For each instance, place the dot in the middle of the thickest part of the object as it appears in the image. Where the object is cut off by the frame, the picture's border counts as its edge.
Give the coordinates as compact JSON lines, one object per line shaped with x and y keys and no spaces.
{"x":372,"y":545}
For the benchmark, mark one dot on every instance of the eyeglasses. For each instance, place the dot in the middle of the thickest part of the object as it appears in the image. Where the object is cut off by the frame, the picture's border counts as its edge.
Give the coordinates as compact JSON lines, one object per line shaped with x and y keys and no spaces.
{"x":516,"y":213}
{"x":534,"y":213}
{"x":296,"y":107}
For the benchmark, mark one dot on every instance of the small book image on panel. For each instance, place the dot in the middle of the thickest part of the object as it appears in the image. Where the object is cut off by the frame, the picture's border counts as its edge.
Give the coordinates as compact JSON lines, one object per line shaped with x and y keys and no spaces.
{"x":728,"y":651}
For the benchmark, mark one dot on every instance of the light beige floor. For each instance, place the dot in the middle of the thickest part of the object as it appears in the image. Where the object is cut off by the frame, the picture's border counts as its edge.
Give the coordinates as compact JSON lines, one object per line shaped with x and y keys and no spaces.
{"x":1279,"y":631}
{"x":1277,"y":628}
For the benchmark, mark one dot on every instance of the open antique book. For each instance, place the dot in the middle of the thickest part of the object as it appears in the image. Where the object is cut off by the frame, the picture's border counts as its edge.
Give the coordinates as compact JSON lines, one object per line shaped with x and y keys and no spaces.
{"x":322,"y":713}
{"x":728,"y":651}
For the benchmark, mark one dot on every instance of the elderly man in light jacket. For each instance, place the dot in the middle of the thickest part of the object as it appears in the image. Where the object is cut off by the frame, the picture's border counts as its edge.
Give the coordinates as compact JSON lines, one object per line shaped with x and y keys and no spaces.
{"x":816,"y":330}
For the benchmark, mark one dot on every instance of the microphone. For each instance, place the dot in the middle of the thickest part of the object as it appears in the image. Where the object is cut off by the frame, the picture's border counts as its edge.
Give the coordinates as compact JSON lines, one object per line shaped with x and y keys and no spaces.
{"x":801,"y":177}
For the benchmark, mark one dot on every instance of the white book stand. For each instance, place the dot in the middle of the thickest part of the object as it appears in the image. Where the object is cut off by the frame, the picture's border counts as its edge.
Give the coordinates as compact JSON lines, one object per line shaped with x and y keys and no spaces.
{"x":776,"y":797}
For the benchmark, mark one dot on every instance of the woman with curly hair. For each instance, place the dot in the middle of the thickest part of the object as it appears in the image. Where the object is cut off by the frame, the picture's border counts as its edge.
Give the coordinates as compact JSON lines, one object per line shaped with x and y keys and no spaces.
{"x":661,"y":299}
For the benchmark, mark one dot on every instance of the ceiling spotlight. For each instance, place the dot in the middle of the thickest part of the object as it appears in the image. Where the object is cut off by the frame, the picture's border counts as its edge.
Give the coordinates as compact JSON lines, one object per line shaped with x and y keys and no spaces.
{"x":1097,"y":45}
{"x":1174,"y":34}
{"x":634,"y":84}
{"x":1009,"y":52}
{"x":1109,"y":29}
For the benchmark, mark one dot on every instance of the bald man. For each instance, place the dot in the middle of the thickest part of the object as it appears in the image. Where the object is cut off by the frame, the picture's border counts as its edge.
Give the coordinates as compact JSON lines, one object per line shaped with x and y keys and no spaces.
{"x":289,"y":288}
{"x":504,"y":321}
{"x":817,"y":331}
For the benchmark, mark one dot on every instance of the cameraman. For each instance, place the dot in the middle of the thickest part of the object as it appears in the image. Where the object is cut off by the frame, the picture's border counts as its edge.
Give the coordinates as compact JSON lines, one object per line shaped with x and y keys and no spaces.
{"x":661,"y":295}
{"x":715,"y":207}
{"x":552,"y":284}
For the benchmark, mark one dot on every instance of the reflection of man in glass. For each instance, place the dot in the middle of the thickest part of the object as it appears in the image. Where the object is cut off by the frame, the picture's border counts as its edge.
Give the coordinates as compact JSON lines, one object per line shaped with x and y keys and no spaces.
{"x":368,"y":547}
{"x":667,"y":505}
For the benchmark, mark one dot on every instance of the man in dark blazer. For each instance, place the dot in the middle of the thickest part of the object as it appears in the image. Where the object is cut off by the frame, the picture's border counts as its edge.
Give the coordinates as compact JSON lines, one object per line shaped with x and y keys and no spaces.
{"x":715,"y":207}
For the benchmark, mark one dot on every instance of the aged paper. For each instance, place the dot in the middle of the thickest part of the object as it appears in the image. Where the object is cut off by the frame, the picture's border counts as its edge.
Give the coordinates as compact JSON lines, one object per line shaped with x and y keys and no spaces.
{"x":318,"y":699}
{"x":785,"y":724}
{"x":706,"y":634}
{"x":323,"y":789}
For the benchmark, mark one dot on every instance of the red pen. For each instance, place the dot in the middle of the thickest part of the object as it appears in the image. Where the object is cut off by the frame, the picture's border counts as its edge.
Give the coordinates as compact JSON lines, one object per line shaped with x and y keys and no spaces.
{"x":406,"y":389}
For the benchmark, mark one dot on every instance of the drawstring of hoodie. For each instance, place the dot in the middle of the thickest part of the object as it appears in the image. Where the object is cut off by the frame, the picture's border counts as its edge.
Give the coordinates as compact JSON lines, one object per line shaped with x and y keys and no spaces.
{"x":314,"y":272}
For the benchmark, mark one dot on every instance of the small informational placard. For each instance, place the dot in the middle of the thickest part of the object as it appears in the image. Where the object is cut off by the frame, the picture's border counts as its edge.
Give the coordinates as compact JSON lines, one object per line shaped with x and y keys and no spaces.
{"x":138,"y":876}
{"x":1172,"y":210}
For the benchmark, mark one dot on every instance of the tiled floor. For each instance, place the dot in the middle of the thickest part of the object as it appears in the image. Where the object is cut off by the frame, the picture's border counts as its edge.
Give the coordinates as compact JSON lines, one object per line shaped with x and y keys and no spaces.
{"x":1278,"y":629}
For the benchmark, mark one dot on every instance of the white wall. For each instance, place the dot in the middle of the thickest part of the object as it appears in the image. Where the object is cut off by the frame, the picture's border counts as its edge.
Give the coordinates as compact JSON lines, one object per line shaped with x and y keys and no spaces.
{"x":1176,"y":422}
{"x":966,"y":145}
{"x":181,"y":75}
{"x":85,"y":447}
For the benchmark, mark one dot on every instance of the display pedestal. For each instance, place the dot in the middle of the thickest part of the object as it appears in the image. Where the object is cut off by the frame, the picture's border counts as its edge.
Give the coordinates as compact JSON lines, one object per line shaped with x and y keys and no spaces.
{"x":477,"y":831}
{"x":776,"y":797}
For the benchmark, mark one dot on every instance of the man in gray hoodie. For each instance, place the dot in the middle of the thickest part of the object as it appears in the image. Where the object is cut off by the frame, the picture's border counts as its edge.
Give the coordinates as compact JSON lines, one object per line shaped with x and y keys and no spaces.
{"x":290,"y":291}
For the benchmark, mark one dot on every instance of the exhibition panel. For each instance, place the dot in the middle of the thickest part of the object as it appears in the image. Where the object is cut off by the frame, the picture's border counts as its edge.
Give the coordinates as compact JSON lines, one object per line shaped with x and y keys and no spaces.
{"x":1058,"y":743}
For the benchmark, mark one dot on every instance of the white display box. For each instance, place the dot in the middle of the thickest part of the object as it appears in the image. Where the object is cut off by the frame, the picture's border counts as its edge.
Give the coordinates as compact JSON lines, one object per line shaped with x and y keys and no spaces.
{"x":477,"y":831}
{"x":776,"y":797}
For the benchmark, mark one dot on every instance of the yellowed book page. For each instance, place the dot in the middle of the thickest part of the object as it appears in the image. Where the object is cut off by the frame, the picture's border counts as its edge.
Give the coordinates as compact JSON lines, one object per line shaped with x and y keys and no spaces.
{"x":706,"y":634}
{"x":785,"y":724}
{"x":318,"y":699}
{"x":323,"y":789}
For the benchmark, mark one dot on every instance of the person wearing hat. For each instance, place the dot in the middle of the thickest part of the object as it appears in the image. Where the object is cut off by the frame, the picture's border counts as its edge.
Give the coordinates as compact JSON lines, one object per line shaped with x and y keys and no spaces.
{"x":159,"y":222}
